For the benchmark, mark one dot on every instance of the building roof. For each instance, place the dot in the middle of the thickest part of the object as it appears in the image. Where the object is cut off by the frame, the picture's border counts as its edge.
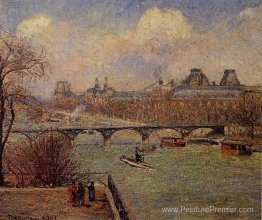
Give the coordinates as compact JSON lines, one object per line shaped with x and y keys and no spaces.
{"x":229,"y":78}
{"x":168,"y":85}
{"x":253,"y":89}
{"x":131,"y":95}
{"x":94,"y":90}
{"x":196,"y":78}
{"x":210,"y":91}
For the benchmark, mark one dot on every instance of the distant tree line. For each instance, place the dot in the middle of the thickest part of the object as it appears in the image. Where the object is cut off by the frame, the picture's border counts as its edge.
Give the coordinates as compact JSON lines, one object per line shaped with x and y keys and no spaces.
{"x":244,"y":111}
{"x":167,"y":112}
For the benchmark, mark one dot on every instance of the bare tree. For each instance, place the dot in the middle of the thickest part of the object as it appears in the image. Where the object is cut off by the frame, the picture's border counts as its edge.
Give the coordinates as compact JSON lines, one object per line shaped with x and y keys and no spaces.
{"x":248,"y":114}
{"x":49,"y":160}
{"x":18,"y":60}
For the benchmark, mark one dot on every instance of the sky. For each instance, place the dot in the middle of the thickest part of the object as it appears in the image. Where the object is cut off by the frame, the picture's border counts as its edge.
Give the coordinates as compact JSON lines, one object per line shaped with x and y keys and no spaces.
{"x":127,"y":40}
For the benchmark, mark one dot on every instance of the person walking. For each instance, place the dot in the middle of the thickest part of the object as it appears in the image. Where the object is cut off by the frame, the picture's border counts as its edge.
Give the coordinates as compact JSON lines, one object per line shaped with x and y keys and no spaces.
{"x":72,"y":189}
{"x":91,"y":191}
{"x":80,"y":194}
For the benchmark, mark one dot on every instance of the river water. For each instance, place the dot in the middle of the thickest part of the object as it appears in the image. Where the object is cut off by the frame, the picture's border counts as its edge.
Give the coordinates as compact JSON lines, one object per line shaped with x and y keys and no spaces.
{"x":190,"y":177}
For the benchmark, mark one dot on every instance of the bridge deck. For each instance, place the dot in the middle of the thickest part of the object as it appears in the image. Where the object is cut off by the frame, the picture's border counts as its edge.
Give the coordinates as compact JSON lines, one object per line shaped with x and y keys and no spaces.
{"x":120,"y":128}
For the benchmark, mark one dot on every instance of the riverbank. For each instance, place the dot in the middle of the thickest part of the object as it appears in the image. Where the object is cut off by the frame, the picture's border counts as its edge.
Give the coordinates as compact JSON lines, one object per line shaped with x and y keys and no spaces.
{"x":41,"y":203}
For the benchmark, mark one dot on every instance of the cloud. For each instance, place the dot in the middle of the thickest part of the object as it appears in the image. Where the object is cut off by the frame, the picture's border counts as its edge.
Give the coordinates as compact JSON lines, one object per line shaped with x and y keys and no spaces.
{"x":250,"y":13}
{"x":34,"y":26}
{"x":152,"y":42}
{"x":161,"y":37}
{"x":233,"y":43}
{"x":166,"y":24}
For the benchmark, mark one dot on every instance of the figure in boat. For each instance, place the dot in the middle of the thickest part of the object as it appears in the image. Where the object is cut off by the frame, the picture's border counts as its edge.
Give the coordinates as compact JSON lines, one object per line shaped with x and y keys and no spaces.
{"x":138,"y":161}
{"x":139,"y":155}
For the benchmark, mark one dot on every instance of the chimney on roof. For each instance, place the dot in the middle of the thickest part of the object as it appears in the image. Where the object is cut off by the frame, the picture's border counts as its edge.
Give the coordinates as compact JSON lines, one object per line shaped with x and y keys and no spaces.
{"x":97,"y":86}
{"x":106,"y":83}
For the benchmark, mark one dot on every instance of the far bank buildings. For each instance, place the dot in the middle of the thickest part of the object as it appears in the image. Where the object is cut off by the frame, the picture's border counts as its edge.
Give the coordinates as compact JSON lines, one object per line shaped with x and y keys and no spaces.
{"x":195,"y":100}
{"x":195,"y":86}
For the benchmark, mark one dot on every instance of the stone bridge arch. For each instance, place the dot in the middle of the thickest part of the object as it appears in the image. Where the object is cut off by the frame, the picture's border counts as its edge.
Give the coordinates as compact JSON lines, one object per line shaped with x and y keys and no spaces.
{"x":128,"y":136}
{"x":201,"y":132}
{"x":89,"y":138}
{"x":205,"y":130}
{"x":107,"y":134}
{"x":157,"y":134}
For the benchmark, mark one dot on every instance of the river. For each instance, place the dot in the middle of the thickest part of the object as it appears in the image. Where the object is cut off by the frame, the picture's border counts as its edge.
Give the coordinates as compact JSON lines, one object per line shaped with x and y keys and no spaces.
{"x":186,"y":178}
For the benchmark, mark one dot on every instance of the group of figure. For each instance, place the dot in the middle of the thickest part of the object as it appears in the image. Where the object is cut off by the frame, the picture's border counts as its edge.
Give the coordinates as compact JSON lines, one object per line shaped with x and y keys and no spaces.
{"x":77,"y":193}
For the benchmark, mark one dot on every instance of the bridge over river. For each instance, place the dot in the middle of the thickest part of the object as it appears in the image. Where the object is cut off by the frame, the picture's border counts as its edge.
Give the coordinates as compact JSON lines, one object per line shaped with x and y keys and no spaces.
{"x":107,"y":132}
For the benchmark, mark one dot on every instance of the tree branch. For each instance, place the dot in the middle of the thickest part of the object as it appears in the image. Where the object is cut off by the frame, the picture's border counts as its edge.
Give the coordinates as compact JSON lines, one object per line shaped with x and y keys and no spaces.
{"x":12,"y":112}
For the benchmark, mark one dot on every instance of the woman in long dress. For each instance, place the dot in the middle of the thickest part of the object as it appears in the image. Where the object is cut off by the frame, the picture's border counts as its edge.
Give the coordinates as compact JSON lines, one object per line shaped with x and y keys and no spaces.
{"x":72,"y":189}
{"x":80,"y":194}
{"x":91,"y":191}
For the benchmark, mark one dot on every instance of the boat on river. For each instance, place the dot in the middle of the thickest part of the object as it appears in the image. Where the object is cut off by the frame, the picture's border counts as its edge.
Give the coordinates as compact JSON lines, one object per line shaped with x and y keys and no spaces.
{"x":172,"y":142}
{"x":203,"y":141}
{"x":133,"y":163}
{"x":236,"y":147}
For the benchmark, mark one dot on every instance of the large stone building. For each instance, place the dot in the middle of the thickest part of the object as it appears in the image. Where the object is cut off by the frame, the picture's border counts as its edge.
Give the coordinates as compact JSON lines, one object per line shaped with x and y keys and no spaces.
{"x":129,"y":95}
{"x":194,"y":101}
{"x":197,"y":85}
